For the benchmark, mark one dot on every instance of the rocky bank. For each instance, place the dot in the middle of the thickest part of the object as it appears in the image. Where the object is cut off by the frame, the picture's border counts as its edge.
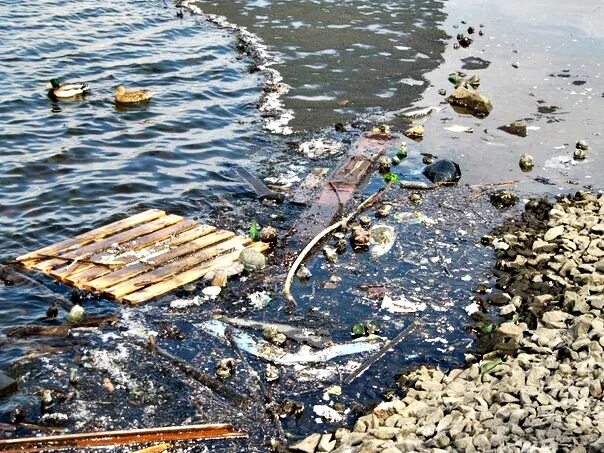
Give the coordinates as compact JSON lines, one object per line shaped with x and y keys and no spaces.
{"x":539,"y":389}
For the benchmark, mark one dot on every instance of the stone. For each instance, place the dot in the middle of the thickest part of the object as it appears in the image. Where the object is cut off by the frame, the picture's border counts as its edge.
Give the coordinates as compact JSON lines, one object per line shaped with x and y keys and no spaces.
{"x":471,"y":100}
{"x":507,"y":310}
{"x":307,"y":445}
{"x":443,"y":170}
{"x":553,"y":233}
{"x":252,"y":260}
{"x":556,"y":319}
{"x":481,"y":442}
{"x":350,"y":439}
{"x":383,"y":432}
{"x":415,"y":132}
{"x":7,"y":384}
{"x":516,"y":128}
{"x":543,"y":246}
{"x":326,"y":444}
{"x":426,"y":431}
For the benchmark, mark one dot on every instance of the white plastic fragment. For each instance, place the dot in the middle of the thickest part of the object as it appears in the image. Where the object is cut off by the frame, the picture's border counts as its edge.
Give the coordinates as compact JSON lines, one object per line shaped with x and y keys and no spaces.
{"x":402,"y":305}
{"x":211,"y":292}
{"x":327,"y":413}
{"x":259,"y":299}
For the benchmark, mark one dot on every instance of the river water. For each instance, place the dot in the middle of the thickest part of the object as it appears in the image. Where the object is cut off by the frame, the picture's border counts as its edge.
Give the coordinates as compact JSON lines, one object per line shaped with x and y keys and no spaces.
{"x":71,"y":166}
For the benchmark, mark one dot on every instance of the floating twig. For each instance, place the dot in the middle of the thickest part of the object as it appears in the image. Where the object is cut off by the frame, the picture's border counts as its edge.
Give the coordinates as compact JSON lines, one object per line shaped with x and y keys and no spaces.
{"x":123,"y":437}
{"x":205,"y":379}
{"x":271,"y":405}
{"x":378,"y":355}
{"x":342,"y":222}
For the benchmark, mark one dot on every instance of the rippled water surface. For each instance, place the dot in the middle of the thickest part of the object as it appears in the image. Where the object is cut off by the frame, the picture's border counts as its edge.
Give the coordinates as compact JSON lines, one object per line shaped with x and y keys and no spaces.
{"x":368,"y":55}
{"x":72,"y":163}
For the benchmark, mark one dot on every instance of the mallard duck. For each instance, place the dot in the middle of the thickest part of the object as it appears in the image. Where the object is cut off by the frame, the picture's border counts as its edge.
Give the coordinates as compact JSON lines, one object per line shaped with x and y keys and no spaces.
{"x":124,"y":96}
{"x":66,"y":90}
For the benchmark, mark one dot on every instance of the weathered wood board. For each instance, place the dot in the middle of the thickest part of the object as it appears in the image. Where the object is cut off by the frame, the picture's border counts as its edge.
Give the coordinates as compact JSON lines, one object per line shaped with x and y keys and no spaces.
{"x":339,"y":188}
{"x":141,"y":257}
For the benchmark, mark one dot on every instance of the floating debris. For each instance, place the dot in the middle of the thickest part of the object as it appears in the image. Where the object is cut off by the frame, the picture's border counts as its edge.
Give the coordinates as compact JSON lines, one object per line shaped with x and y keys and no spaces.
{"x":381,"y":240}
{"x":503,"y":199}
{"x":402,"y":305}
{"x":259,"y":299}
{"x":327,"y":413}
{"x":579,"y":154}
{"x":319,"y":148}
{"x":458,"y":128}
{"x":303,"y":273}
{"x":211,"y":292}
{"x":269,"y":352}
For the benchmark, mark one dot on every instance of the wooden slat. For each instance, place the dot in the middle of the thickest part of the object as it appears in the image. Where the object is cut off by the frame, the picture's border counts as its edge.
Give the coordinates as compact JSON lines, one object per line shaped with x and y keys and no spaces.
{"x":175,"y":267}
{"x":147,"y":242}
{"x":97,"y":233}
{"x":118,"y":276}
{"x":88,"y":250}
{"x":188,"y":276}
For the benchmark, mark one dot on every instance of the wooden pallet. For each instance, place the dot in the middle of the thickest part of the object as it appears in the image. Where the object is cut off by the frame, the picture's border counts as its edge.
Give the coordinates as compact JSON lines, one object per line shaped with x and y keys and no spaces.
{"x":141,"y":257}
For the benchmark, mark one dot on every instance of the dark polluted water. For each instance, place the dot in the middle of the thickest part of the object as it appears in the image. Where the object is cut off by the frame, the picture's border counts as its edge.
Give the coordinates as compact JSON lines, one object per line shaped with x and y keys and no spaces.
{"x":71,"y":166}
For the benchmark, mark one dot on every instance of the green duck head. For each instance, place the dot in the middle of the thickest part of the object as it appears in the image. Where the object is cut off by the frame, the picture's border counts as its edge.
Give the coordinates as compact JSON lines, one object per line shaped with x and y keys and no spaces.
{"x":54,"y":83}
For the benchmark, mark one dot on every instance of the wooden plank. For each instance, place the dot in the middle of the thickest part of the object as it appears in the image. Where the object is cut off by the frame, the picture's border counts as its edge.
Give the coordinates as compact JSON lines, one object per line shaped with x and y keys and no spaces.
{"x":175,"y":267}
{"x":88,"y":250}
{"x":97,"y":233}
{"x":148,"y":242}
{"x":188,"y":276}
{"x":115,"y":277}
{"x":338,"y":190}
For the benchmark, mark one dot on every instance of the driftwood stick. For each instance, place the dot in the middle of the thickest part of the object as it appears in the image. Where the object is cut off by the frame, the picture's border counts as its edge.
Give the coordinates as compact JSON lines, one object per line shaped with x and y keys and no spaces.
{"x":271,"y":405}
{"x":320,"y":236}
{"x":378,"y":355}
{"x":205,"y":379}
{"x":123,"y":437}
{"x":63,"y":330}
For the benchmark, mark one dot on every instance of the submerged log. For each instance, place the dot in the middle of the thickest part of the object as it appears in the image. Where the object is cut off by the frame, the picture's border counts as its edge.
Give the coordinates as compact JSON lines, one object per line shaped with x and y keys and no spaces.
{"x":124,"y":437}
{"x":33,"y":330}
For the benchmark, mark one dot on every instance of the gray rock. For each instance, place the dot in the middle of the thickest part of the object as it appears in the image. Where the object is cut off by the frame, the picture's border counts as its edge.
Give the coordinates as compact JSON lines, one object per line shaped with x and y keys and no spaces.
{"x":553,"y":233}
{"x":326,"y":444}
{"x":307,"y":445}
{"x":481,"y":442}
{"x":351,"y":439}
{"x":426,"y":431}
{"x":507,"y":309}
{"x":543,"y":246}
{"x":556,"y":319}
{"x":383,"y":432}
{"x":476,"y":103}
{"x":7,"y":384}
{"x":252,"y":260}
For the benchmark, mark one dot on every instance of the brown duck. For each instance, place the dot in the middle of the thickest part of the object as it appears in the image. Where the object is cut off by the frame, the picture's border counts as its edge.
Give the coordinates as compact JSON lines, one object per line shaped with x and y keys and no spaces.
{"x":124,"y":96}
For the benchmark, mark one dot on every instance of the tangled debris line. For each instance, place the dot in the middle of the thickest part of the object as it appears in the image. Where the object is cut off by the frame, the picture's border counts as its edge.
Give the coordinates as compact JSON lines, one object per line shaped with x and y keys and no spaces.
{"x":339,"y":224}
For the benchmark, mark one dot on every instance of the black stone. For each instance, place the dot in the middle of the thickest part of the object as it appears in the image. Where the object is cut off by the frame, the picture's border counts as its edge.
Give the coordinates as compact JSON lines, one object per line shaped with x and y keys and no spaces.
{"x":443,"y":171}
{"x":7,"y":384}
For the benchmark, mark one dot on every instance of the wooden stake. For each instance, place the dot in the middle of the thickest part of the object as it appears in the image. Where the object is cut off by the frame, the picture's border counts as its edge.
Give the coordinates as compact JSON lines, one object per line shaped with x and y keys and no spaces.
{"x":124,"y":437}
